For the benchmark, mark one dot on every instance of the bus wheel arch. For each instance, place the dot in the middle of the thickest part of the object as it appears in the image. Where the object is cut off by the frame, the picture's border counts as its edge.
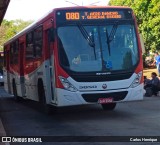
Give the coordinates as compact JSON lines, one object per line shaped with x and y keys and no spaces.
{"x":14,"y":87}
{"x":42,"y":98}
{"x":41,"y":92}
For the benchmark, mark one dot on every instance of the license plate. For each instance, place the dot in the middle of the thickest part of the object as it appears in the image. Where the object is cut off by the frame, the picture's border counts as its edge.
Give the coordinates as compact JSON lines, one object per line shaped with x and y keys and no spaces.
{"x":105,"y":100}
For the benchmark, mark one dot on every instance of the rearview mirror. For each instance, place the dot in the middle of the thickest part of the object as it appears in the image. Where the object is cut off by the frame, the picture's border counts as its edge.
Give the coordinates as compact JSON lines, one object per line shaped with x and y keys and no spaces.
{"x":142,"y":43}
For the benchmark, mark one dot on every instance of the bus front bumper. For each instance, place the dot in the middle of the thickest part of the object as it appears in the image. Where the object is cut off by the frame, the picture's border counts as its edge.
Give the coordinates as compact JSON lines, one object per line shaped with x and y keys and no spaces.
{"x":68,"y":98}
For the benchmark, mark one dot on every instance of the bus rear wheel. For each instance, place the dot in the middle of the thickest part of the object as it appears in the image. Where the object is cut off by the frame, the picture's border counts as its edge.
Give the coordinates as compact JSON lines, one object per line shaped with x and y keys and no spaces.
{"x":16,"y":97}
{"x":109,"y":107}
{"x":2,"y":84}
{"x":42,"y":99}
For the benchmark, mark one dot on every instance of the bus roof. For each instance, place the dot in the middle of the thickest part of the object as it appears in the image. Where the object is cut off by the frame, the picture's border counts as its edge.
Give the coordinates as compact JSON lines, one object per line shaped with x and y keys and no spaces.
{"x":46,"y":16}
{"x":93,"y":7}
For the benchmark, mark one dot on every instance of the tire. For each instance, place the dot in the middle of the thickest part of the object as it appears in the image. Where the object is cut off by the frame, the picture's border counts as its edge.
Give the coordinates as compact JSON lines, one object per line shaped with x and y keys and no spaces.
{"x":45,"y":108}
{"x":1,"y":84}
{"x":16,"y":97}
{"x":109,"y":107}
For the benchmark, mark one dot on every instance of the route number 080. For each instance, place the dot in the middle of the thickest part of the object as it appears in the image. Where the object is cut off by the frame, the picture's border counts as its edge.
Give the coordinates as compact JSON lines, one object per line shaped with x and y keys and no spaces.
{"x":72,"y":16}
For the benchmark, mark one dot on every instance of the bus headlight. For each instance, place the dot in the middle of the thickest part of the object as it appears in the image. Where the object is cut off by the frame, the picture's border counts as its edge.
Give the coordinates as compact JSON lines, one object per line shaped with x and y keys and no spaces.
{"x":67,"y":85}
{"x":137,"y":80}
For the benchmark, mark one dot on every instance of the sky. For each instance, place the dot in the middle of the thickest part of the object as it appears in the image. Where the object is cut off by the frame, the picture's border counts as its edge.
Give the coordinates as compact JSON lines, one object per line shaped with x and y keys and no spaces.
{"x":34,"y":9}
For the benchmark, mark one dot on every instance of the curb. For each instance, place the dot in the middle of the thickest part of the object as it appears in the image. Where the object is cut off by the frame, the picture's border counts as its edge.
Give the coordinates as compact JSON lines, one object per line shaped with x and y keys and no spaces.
{"x":2,"y":132}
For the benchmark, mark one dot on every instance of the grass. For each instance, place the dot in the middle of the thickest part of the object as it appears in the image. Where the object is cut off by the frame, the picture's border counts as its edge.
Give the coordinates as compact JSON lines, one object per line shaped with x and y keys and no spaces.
{"x":147,"y":72}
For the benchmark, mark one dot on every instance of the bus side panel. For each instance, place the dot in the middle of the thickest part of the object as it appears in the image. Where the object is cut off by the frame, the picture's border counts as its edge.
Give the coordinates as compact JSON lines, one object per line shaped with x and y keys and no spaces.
{"x":20,"y":78}
{"x":33,"y":63}
{"x":41,"y":69}
{"x":31,"y":80}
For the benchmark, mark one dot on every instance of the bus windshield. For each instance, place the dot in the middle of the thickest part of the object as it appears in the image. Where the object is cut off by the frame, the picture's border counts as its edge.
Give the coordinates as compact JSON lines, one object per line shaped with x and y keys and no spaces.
{"x":112,"y":49}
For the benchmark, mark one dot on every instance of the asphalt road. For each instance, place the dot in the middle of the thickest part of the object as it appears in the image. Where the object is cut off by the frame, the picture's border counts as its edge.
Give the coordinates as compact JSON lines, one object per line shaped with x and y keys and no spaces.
{"x":24,"y":118}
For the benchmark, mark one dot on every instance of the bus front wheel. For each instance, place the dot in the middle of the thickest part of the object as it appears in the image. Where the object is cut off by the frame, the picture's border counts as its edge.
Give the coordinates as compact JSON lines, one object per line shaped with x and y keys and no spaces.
{"x":109,"y":107}
{"x":42,"y":99}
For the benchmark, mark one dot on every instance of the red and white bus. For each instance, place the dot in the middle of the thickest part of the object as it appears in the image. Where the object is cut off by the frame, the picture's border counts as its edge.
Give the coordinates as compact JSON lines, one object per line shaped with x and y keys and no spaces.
{"x":77,"y":55}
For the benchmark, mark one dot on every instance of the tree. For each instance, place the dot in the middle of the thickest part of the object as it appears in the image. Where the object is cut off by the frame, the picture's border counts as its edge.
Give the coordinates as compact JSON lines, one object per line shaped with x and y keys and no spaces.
{"x":148,"y":18}
{"x":9,"y":28}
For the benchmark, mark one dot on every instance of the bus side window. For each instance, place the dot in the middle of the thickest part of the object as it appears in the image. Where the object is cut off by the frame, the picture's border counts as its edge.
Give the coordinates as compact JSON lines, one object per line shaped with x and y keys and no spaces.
{"x":5,"y":57}
{"x":14,"y":52}
{"x":11,"y":53}
{"x":38,"y":41}
{"x":30,"y":53}
{"x":15,"y":48}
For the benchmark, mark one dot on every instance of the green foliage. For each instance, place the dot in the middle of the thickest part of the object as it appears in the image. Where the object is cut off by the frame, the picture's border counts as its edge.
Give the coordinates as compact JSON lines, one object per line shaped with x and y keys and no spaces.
{"x":148,"y":18}
{"x":9,"y":28}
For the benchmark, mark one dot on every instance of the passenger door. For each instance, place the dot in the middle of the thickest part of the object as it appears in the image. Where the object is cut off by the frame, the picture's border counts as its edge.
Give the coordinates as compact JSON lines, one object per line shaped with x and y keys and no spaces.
{"x":49,"y":67}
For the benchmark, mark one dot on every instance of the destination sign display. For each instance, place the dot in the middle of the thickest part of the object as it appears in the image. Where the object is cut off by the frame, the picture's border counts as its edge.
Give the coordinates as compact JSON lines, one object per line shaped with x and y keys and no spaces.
{"x":93,"y":14}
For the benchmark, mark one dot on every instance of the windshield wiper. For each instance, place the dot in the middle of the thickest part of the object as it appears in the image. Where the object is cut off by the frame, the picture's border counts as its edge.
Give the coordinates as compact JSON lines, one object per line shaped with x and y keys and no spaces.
{"x":86,"y":35}
{"x":110,"y":36}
